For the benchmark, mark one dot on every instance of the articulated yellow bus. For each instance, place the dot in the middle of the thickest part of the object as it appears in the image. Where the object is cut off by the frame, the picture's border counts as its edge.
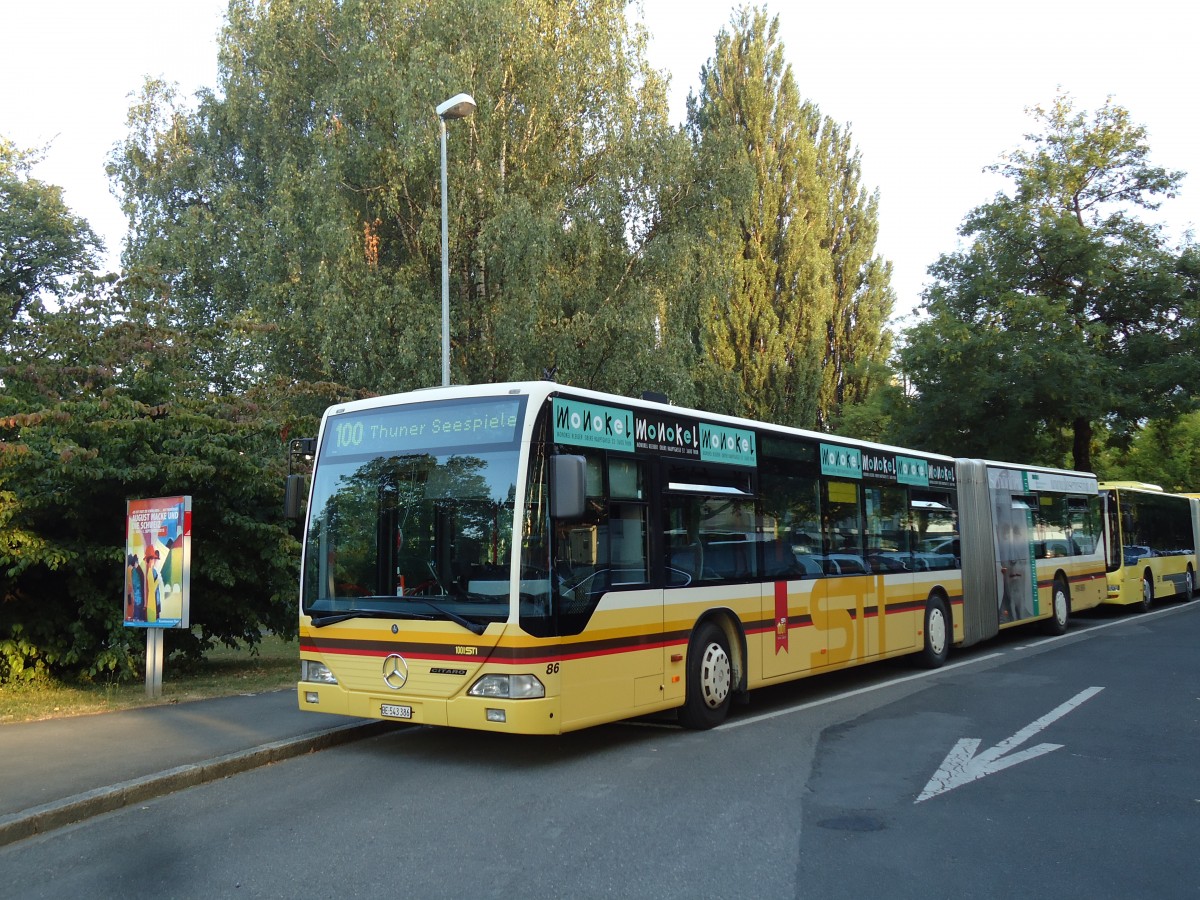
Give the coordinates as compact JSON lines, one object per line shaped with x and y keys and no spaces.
{"x":1153,"y":538}
{"x":535,"y":558}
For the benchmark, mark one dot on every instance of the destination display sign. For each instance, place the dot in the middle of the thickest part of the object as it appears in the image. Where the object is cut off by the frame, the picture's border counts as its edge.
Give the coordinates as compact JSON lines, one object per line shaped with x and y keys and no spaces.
{"x":423,"y":427}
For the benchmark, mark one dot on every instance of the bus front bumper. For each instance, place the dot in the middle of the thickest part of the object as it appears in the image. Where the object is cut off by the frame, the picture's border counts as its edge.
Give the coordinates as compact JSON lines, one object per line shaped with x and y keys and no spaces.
{"x":535,"y":716}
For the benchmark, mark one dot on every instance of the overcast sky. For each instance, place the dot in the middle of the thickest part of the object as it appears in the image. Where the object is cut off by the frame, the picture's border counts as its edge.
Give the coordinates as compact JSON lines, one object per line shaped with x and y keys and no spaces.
{"x":932,"y":90}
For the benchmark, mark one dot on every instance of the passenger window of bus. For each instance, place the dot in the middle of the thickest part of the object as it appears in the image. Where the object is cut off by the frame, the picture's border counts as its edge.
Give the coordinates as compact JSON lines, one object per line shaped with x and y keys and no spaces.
{"x":1052,"y":528}
{"x":935,"y":531}
{"x":791,"y":524}
{"x":1136,"y":534}
{"x":607,"y":548}
{"x":710,"y":538}
{"x":841,"y":528}
{"x":1165,"y":523}
{"x":889,"y":528}
{"x":1083,"y":524}
{"x":627,"y":533}
{"x":625,"y":479}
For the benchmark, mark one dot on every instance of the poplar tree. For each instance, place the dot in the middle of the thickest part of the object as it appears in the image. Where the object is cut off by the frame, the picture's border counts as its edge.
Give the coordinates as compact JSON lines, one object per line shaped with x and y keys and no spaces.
{"x":793,"y":326}
{"x":768,"y":330}
{"x":858,"y":342}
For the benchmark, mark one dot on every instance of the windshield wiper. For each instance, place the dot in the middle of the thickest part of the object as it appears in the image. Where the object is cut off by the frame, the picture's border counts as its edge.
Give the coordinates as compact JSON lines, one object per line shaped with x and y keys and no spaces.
{"x":473,"y":627}
{"x":334,"y":618}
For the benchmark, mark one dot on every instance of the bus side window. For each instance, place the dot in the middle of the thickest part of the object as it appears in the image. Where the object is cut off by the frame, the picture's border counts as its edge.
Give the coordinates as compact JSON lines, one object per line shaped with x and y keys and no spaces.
{"x":1082,"y":519}
{"x":791,"y":523}
{"x":711,"y":528}
{"x":581,"y":554}
{"x":841,"y":528}
{"x":935,"y":523}
{"x":627,"y":515}
{"x":889,"y":529}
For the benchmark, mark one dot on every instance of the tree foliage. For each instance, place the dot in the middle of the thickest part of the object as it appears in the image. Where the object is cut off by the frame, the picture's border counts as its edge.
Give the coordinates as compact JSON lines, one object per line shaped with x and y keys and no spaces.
{"x":44,"y":247}
{"x":1064,"y":312}
{"x":284,"y":244}
{"x":1165,"y":452}
{"x":794,"y":328}
{"x":858,"y":341}
{"x":304,"y":195}
{"x":587,"y":236}
{"x":91,"y":418}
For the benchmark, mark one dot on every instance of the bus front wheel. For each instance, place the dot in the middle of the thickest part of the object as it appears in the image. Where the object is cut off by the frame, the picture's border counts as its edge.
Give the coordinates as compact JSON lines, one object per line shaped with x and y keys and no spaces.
{"x":937,"y":633}
{"x":1147,"y":593}
{"x":709,"y":679}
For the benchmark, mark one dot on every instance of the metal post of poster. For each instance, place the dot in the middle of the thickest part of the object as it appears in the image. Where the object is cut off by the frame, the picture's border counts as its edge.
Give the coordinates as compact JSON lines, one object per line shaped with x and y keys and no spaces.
{"x":158,"y":565}
{"x":457,"y":107}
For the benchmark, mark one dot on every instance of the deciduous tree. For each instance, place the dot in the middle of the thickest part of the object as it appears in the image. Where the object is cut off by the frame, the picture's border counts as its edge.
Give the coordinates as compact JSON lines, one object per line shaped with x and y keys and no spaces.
{"x":91,"y":417}
{"x":44,"y":247}
{"x":768,"y":329}
{"x":1064,"y":309}
{"x":301,"y":201}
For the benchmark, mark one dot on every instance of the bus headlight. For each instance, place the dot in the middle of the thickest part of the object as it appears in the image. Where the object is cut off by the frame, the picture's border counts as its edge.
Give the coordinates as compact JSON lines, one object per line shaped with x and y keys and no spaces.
{"x":311,"y":670}
{"x":511,"y":687}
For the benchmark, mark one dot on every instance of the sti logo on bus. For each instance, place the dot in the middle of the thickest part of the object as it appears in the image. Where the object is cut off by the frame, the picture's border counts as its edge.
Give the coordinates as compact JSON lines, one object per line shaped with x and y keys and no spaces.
{"x":592,"y":425}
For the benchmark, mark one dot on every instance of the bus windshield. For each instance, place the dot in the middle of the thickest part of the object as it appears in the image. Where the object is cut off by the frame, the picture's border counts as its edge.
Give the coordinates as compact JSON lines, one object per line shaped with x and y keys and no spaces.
{"x":411,"y":514}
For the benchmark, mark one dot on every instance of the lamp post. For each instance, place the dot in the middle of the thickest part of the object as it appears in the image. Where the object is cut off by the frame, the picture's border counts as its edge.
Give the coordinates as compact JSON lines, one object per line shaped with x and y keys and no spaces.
{"x":457,"y":107}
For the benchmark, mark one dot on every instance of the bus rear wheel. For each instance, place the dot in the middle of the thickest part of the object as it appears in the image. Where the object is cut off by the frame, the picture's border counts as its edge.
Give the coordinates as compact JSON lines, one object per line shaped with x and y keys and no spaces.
{"x":1061,"y":602}
{"x":937,"y":633}
{"x":709,"y":679}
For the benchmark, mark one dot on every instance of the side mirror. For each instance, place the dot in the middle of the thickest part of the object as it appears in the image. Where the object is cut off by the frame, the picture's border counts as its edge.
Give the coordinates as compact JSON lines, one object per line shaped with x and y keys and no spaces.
{"x":293,"y":497}
{"x":568,"y":486}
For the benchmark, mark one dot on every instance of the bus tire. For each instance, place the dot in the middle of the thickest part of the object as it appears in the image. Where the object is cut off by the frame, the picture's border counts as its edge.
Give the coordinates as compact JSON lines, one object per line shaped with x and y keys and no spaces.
{"x":938,"y":631}
{"x":1189,"y":586}
{"x":1147,"y":592}
{"x":709,"y":679}
{"x":1060,"y":615}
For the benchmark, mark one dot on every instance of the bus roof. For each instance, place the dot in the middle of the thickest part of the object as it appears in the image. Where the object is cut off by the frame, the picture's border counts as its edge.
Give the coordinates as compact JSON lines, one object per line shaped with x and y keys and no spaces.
{"x":540,"y":391}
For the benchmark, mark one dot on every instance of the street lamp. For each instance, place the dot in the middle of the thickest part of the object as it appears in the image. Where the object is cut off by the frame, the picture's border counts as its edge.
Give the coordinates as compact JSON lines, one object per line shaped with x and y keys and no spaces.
{"x":457,"y":107}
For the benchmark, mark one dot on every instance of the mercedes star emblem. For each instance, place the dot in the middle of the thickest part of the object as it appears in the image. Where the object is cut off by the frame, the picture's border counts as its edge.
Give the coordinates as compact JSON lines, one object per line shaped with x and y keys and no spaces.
{"x":395,"y":671}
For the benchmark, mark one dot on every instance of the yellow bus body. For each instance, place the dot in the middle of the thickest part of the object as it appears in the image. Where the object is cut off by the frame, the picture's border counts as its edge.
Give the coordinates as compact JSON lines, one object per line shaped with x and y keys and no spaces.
{"x":1138,"y":573}
{"x":633,"y":659}
{"x":630,"y":657}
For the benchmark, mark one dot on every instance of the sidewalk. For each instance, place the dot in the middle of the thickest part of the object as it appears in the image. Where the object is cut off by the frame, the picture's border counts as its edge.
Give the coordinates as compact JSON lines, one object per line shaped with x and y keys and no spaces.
{"x":65,"y":770}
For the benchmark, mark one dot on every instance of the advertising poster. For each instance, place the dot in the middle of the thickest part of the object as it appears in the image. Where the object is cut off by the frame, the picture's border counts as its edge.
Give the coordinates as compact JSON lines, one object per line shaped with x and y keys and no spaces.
{"x":158,"y":548}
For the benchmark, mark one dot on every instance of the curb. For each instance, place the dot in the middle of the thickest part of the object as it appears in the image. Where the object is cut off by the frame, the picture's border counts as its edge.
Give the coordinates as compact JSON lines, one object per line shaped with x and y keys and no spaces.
{"x":50,"y":816}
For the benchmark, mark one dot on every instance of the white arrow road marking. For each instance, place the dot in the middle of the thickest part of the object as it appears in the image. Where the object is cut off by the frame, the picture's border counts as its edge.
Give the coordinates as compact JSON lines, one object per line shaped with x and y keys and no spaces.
{"x":961,"y":765}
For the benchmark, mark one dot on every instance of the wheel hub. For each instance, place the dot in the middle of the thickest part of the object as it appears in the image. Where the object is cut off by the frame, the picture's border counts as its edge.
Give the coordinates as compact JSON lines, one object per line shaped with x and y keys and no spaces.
{"x":714,"y":676}
{"x":937,"y":631}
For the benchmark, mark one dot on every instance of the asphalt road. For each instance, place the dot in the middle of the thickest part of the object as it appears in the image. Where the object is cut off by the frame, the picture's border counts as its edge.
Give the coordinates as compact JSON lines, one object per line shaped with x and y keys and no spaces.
{"x":1027,"y":768}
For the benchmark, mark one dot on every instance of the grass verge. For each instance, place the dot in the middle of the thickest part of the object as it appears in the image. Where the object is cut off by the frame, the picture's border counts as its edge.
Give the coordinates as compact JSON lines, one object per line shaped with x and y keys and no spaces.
{"x":223,"y":673}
